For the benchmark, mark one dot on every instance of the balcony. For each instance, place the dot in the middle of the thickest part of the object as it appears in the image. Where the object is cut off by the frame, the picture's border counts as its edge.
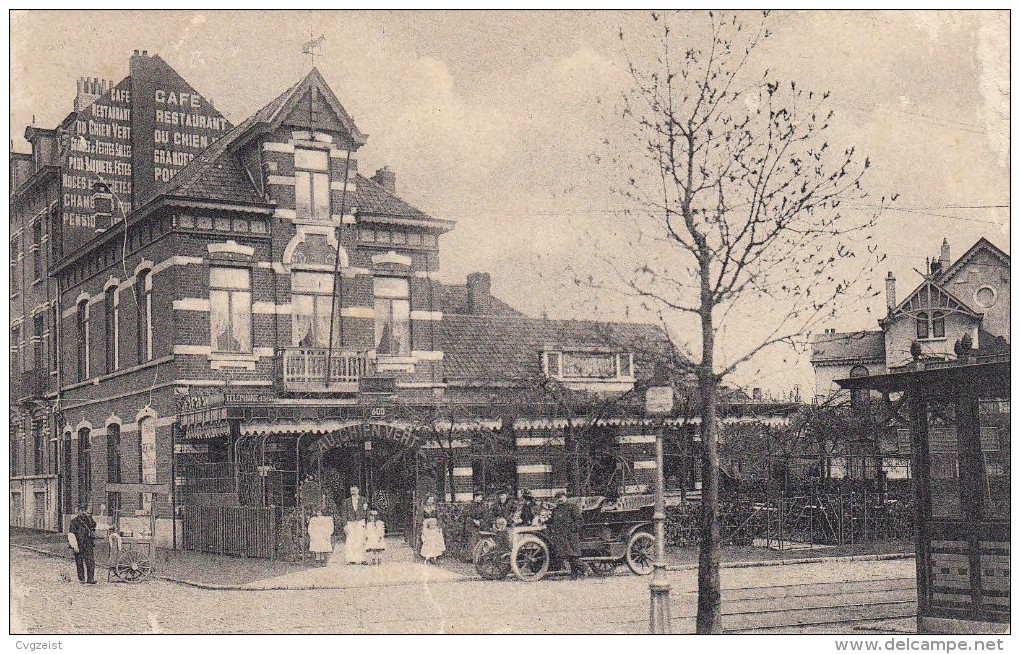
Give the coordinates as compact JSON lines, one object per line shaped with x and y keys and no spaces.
{"x":304,"y":370}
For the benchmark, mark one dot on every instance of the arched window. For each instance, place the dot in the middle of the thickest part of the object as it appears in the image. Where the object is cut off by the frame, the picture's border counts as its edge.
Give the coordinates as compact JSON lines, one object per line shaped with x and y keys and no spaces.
{"x":82,"y":336}
{"x":113,"y":457}
{"x":84,"y":466}
{"x":143,"y":305}
{"x":859,"y":397}
{"x":922,"y":325}
{"x":66,"y":470}
{"x":110,"y":328}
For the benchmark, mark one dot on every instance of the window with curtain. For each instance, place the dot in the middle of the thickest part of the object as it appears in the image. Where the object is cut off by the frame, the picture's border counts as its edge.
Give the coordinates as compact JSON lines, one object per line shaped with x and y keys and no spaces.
{"x":110,"y":328}
{"x":66,"y":472}
{"x":143,"y":295}
{"x":311,"y":307}
{"x":392,"y":316}
{"x":311,"y":184}
{"x":82,"y":336}
{"x":230,"y":309}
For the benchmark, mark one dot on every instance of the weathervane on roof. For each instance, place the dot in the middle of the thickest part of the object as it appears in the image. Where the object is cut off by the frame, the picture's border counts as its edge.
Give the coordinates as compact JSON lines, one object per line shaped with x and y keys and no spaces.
{"x":313,"y":47}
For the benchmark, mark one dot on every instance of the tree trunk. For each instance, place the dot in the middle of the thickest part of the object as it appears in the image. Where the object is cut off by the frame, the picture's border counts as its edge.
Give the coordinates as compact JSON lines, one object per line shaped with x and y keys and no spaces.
{"x":710,"y":554}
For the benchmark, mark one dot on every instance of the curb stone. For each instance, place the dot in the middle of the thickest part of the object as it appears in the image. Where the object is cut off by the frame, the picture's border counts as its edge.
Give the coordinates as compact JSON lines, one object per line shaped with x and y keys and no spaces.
{"x":463,"y":578}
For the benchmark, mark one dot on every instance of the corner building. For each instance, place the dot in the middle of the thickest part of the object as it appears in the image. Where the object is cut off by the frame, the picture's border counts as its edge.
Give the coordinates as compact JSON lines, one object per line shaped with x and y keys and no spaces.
{"x":237,"y":324}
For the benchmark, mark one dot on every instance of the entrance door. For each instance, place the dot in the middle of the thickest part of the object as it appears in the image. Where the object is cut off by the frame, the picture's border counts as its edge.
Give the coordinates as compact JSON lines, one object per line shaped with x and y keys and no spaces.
{"x":383,"y":471}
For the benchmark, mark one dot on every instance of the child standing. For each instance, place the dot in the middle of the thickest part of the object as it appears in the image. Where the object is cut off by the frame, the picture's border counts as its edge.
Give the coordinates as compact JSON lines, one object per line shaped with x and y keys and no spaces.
{"x":375,"y":538}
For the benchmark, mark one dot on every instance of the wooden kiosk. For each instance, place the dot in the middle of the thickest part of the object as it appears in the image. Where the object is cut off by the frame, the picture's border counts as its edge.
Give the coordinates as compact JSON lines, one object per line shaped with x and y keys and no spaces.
{"x":959,"y":421}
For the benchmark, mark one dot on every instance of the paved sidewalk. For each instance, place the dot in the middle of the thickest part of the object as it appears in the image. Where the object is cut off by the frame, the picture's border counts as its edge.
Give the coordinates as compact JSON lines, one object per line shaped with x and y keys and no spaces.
{"x":398,"y":567}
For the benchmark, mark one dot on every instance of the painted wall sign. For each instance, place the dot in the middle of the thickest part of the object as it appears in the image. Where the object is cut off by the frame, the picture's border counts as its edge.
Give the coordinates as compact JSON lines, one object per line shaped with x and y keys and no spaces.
{"x":171,"y":121}
{"x":97,"y":147}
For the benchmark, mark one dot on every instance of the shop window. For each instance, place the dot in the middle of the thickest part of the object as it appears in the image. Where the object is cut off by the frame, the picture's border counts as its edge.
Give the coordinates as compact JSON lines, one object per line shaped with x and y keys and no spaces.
{"x":230,"y":309}
{"x":392,"y":316}
{"x":311,"y":184}
{"x":494,"y":463}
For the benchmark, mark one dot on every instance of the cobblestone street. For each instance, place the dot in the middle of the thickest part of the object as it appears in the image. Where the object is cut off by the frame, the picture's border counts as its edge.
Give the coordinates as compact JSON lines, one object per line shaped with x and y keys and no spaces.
{"x":834,"y":596}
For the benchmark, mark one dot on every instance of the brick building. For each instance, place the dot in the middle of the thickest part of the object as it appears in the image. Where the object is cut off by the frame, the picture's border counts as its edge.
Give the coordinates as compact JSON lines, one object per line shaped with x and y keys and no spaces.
{"x":236,"y":318}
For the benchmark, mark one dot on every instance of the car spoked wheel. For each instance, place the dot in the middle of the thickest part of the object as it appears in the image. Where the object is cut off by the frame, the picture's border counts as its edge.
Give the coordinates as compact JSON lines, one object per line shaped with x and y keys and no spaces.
{"x":641,"y":553}
{"x":530,"y":559}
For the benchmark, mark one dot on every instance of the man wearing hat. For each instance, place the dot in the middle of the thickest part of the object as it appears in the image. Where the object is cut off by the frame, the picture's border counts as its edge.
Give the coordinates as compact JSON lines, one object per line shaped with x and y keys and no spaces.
{"x":83,"y":527}
{"x":565,"y":534}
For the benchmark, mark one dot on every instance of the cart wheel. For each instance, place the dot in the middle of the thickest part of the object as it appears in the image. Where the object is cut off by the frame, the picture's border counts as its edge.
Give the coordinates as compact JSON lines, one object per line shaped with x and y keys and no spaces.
{"x":603,"y":568}
{"x":530,"y":558}
{"x":133,"y":566}
{"x":641,"y":553}
{"x":482,"y":547}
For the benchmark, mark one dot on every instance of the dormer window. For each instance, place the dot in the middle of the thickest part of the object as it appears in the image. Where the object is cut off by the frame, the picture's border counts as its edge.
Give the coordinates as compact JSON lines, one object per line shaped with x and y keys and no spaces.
{"x":589,"y":365}
{"x":311,"y":184}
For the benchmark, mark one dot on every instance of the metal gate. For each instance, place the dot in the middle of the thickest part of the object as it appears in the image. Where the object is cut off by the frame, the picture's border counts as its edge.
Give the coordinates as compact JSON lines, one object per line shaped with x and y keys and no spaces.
{"x":251,"y":531}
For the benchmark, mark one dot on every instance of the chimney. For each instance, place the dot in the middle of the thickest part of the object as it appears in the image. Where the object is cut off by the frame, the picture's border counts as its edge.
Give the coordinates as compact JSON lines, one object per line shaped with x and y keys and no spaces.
{"x":90,"y":89}
{"x":479,"y":293}
{"x":385,"y":178}
{"x":890,"y":291}
{"x":944,"y":255}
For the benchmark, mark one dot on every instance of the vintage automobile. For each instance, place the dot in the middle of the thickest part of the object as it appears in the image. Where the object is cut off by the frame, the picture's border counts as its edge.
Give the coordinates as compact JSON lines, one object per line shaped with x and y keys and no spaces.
{"x":612,"y":532}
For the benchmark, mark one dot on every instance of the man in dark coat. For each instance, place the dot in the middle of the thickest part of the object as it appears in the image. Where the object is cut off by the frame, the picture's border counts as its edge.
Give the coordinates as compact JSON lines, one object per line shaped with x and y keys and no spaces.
{"x":83,"y":527}
{"x":504,"y":507}
{"x":565,"y":534}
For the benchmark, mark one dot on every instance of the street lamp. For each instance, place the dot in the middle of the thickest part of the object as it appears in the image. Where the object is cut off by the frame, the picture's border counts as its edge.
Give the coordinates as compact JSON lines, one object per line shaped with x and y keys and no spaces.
{"x":659,"y":402}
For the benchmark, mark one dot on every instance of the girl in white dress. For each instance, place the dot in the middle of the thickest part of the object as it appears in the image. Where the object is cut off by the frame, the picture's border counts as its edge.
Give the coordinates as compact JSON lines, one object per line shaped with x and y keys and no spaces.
{"x":320,"y":536}
{"x":375,"y":538}
{"x":432,"y":542}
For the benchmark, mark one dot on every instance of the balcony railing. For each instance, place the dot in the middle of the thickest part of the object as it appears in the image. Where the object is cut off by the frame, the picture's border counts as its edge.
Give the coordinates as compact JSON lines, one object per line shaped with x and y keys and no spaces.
{"x":304,"y":370}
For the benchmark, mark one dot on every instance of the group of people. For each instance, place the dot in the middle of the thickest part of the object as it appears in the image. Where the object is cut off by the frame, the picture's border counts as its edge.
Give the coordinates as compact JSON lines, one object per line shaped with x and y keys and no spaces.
{"x":364,"y":532}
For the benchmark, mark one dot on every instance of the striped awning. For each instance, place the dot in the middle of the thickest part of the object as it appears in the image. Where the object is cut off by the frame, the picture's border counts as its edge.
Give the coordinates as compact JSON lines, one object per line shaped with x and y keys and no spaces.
{"x":322,"y":427}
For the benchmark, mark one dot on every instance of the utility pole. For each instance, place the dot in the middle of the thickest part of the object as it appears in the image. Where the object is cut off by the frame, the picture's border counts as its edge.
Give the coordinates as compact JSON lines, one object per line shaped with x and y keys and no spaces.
{"x":659,"y":402}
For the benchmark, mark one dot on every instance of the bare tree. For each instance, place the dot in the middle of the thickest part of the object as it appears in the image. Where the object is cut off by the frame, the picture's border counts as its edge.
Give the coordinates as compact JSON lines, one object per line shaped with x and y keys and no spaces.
{"x":740,"y":216}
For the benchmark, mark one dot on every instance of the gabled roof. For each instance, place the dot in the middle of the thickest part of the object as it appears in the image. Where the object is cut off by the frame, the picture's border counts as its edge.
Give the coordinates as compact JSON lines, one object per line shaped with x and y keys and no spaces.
{"x":285,"y":104}
{"x":983,"y":244}
{"x":217,"y":174}
{"x":849,"y":347}
{"x":930,"y":294}
{"x":504,"y":348}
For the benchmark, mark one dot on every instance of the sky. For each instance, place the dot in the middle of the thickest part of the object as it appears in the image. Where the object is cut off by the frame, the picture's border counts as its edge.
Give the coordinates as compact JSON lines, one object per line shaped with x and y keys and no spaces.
{"x":497,"y":119}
